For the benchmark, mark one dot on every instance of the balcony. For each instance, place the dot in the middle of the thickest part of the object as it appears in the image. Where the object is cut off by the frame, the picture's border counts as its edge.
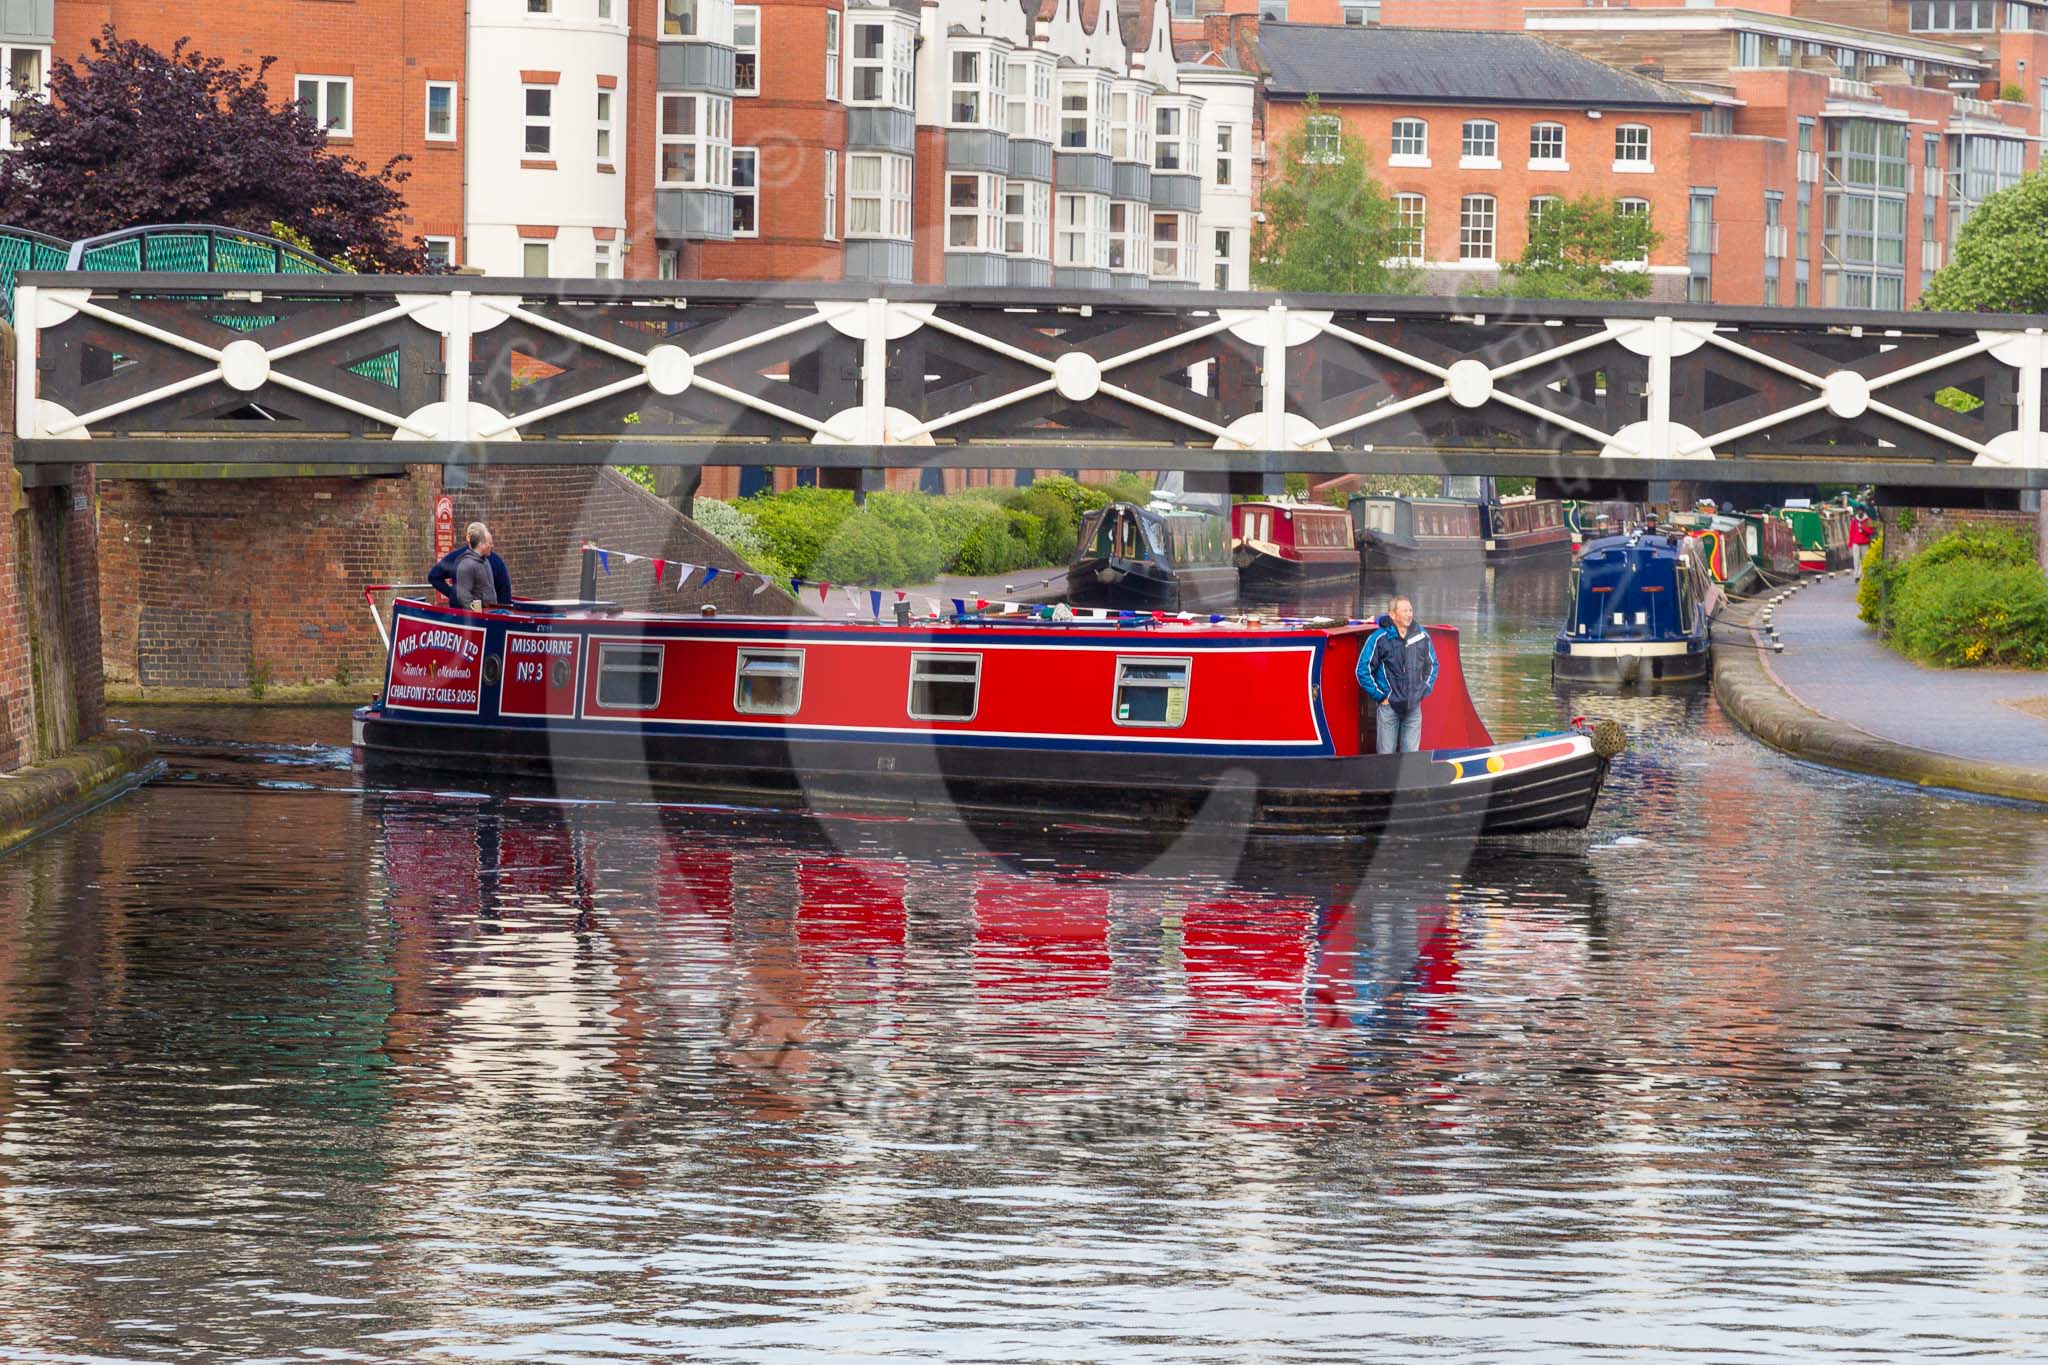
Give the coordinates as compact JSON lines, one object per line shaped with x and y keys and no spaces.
{"x":1774,"y":241}
{"x":1809,"y":168}
{"x":1841,"y":87}
{"x":1930,"y":257}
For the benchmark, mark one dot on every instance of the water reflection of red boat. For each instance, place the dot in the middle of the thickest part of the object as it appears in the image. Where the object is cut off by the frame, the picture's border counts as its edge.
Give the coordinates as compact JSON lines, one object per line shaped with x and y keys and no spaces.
{"x":1135,"y":721}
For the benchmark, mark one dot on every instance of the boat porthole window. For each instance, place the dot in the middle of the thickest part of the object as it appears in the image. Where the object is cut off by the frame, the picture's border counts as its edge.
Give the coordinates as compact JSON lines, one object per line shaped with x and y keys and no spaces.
{"x":558,"y":673}
{"x":1152,"y":691}
{"x":493,"y":670}
{"x":629,"y":676}
{"x":945,"y":686}
{"x":768,"y":682}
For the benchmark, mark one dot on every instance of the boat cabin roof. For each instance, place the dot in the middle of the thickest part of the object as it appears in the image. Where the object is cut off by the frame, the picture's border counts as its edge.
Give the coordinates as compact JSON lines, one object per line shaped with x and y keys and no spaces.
{"x":1105,"y":623}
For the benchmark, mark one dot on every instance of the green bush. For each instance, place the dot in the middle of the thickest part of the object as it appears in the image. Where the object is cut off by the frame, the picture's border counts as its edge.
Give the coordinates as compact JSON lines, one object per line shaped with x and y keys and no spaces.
{"x":732,"y":526}
{"x":1974,"y":598}
{"x":1966,"y":613}
{"x":917,"y":540}
{"x":958,"y":520}
{"x":863,"y":549}
{"x":795,"y":525}
{"x":1001,"y":545}
{"x":1873,"y":594}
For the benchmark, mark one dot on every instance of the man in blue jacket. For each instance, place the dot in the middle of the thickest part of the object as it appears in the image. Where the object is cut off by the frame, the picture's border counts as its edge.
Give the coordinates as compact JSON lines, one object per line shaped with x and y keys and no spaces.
{"x":441,"y":577}
{"x":1397,"y":668}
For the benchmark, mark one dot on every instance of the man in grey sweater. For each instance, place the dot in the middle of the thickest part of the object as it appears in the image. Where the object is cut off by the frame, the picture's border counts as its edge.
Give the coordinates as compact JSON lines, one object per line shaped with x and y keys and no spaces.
{"x":475,"y":587}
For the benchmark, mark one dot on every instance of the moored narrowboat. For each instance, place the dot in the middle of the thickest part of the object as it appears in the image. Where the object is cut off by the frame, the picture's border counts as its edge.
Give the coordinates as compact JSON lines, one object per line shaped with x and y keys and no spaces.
{"x":1157,"y":558}
{"x":1133,"y":721}
{"x":1773,"y":545}
{"x":1642,"y":607}
{"x":1724,"y":543}
{"x":1397,"y":532}
{"x":1584,"y":521}
{"x":1513,"y":528}
{"x":1291,"y":542}
{"x":1823,"y":535}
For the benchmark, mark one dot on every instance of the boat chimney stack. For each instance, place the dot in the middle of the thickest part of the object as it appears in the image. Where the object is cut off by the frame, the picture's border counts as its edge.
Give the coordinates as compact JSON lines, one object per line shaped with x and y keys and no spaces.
{"x":708,"y":610}
{"x":903,"y":613}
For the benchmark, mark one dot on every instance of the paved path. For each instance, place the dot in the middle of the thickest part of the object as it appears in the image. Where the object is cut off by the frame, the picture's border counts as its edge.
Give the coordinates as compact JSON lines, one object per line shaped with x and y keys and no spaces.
{"x":1835,"y":664}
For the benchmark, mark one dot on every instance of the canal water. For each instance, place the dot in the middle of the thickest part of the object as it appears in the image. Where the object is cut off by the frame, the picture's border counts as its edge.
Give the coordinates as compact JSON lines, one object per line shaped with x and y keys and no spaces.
{"x":291,"y":1070}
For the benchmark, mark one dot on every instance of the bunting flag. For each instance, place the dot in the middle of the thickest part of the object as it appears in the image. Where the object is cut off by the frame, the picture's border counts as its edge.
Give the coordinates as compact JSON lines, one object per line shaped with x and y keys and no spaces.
{"x":763,"y":586}
{"x":604,"y":561}
{"x":796,"y":587}
{"x":660,"y":567}
{"x":981,"y":604}
{"x":902,"y":596}
{"x":823,"y":588}
{"x":875,"y":602}
{"x":959,"y":607}
{"x":932,"y":605}
{"x":710,"y":572}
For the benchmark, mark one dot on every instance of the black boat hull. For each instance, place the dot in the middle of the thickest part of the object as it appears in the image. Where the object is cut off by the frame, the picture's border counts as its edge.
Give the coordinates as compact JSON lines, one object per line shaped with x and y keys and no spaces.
{"x":1140,"y":585}
{"x":1378,"y":553}
{"x":1409,"y":795}
{"x":1255,"y":570}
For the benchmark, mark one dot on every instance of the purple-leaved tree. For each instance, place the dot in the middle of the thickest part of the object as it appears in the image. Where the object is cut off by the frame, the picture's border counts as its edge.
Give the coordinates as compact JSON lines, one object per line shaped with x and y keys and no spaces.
{"x":132,"y":136}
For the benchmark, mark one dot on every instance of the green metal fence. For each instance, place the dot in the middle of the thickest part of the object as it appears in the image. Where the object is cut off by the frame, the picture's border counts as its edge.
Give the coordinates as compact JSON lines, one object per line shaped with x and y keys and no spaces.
{"x":193,"y":248}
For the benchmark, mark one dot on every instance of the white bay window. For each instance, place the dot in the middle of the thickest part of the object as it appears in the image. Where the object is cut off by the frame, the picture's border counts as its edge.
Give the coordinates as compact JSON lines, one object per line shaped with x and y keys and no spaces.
{"x":1027,"y":219}
{"x":881,"y":61}
{"x":1084,"y":113}
{"x":1130,"y":121}
{"x":1127,"y":237}
{"x":694,"y":138}
{"x":1173,"y":247}
{"x":1083,"y":239}
{"x":1177,"y":132}
{"x":1028,"y":107}
{"x":978,"y":87}
{"x":974,"y":212}
{"x":878,"y":195}
{"x":706,"y":21}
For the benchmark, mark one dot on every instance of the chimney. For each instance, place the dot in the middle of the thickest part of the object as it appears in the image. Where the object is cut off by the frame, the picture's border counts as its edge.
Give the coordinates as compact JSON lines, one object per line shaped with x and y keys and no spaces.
{"x":1653,"y":68}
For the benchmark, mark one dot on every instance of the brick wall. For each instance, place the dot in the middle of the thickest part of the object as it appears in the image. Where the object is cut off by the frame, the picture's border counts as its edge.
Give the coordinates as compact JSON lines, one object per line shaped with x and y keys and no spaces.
{"x":50,"y":690}
{"x":17,"y":721}
{"x":1931,"y":524}
{"x":211,"y":583}
{"x":540,"y":518}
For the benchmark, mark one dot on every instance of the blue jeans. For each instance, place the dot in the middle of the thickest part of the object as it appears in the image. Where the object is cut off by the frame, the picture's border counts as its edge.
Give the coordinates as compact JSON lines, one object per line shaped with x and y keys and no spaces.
{"x":1399,"y":731}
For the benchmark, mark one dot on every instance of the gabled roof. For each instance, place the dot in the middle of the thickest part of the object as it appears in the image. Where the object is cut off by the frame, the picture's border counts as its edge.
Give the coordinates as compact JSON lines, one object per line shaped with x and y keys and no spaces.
{"x":1461,"y":66}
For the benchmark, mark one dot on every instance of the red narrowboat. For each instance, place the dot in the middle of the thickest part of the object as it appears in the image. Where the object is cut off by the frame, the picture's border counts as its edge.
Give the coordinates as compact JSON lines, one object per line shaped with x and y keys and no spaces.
{"x":1135,"y":721}
{"x":1513,"y":527}
{"x":1291,"y":542}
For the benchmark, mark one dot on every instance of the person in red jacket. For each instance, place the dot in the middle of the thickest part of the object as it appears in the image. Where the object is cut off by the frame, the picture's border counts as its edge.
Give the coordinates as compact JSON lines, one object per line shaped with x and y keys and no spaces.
{"x":1860,"y":535}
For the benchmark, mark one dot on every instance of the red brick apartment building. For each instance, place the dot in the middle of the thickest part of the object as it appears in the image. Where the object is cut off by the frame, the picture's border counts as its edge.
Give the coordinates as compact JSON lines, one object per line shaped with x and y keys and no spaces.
{"x":368,"y":67}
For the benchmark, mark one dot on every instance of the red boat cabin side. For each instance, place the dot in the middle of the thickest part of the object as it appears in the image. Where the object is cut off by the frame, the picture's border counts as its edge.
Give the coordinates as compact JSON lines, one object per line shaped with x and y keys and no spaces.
{"x":1223,"y":687}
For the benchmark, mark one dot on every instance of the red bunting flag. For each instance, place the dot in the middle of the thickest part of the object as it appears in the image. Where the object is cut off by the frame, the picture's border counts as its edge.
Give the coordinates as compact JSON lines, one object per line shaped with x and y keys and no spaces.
{"x":660,"y":566}
{"x":981,"y":604}
{"x":902,"y":596}
{"x":823,"y":588}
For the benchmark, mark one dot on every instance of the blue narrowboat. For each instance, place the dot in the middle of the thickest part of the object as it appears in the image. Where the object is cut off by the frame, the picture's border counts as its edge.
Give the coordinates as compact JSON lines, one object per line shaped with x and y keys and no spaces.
{"x":1642,"y":607}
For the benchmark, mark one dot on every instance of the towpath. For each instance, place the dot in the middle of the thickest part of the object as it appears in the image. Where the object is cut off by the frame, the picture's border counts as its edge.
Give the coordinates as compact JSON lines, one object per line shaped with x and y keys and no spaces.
{"x":1837,"y":666}
{"x":1837,"y":696}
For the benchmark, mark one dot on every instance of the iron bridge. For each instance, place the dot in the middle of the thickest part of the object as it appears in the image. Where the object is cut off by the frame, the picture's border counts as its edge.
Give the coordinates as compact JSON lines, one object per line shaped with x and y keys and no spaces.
{"x":326,"y":372}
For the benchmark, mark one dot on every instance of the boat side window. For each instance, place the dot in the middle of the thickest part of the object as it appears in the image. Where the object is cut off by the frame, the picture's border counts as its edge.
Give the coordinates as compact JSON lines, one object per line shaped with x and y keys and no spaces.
{"x":768,"y":682}
{"x":629,"y":677}
{"x":945,"y":686}
{"x":1152,"y":691}
{"x":1684,"y":572}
